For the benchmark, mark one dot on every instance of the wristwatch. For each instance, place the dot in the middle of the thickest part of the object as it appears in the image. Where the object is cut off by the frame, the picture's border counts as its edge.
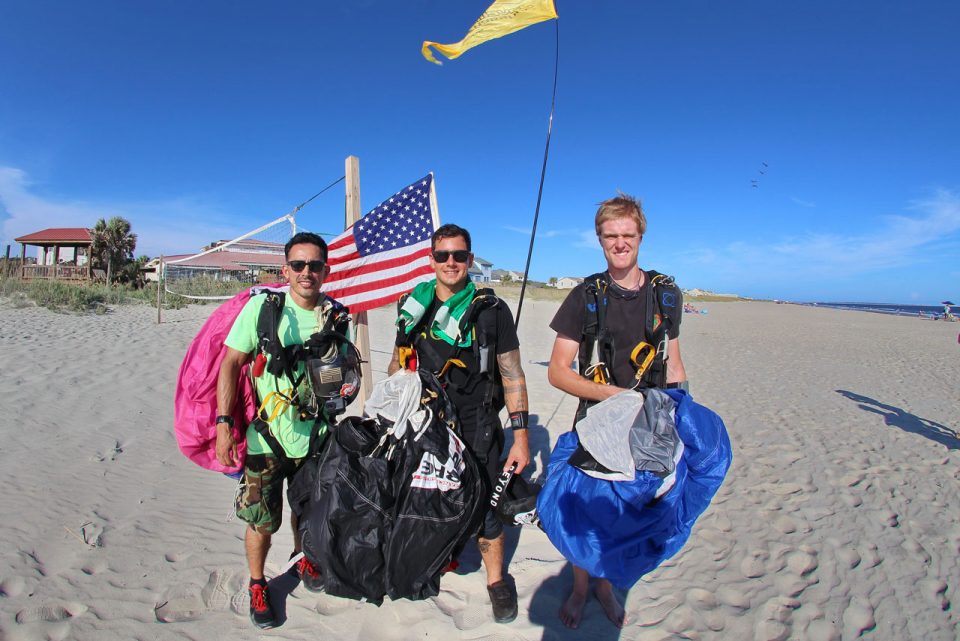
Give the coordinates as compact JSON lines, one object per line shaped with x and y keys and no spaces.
{"x":224,"y":418}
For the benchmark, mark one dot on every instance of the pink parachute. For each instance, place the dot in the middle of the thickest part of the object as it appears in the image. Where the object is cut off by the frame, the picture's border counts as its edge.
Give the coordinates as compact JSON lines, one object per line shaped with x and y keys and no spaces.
{"x":195,"y":401}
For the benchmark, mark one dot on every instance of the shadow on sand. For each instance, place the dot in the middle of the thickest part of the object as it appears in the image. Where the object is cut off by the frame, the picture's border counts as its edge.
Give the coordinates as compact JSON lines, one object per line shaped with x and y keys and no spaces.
{"x":545,"y":606}
{"x":905,"y":420}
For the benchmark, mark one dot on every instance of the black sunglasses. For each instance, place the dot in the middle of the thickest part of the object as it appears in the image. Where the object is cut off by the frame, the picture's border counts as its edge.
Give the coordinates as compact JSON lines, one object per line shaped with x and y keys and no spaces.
{"x":459,"y":255}
{"x":316,"y":266}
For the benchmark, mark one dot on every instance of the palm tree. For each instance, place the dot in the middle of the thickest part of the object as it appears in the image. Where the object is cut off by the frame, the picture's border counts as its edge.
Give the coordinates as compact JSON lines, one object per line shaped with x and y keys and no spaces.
{"x":113,"y":243}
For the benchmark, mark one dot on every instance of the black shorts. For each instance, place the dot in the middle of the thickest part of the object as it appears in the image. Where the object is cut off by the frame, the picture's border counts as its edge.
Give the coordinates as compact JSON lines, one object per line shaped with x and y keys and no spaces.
{"x":484,"y":436}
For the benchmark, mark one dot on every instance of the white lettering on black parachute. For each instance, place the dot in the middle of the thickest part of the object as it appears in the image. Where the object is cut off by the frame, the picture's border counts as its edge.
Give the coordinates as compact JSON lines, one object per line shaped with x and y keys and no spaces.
{"x":393,"y":496}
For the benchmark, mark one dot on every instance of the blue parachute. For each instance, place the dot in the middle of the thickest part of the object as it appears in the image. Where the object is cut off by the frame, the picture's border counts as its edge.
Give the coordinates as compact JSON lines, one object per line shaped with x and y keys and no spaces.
{"x":615,"y":529}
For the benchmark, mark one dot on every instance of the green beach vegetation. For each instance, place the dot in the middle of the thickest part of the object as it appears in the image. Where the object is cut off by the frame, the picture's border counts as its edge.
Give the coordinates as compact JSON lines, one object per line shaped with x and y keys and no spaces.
{"x":63,"y":296}
{"x":74,"y":296}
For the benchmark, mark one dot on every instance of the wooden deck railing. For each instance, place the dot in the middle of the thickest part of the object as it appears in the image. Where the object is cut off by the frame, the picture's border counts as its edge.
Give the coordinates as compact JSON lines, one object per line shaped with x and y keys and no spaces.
{"x":55,"y":272}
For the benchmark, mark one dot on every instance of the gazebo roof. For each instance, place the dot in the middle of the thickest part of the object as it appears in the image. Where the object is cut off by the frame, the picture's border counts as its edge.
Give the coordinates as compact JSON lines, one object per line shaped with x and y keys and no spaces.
{"x":57,"y":236}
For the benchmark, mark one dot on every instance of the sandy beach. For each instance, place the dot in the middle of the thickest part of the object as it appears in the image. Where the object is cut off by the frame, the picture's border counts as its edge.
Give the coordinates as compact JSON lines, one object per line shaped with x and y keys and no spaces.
{"x":838,"y":520}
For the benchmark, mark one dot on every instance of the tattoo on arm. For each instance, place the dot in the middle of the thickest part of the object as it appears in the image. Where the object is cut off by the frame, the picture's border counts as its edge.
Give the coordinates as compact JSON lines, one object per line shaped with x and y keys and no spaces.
{"x":509,"y":363}
{"x":514,"y":382}
{"x":483,"y":545}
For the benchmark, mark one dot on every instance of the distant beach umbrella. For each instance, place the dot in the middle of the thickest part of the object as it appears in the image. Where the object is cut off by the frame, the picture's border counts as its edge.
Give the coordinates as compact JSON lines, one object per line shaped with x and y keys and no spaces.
{"x":947,"y":302}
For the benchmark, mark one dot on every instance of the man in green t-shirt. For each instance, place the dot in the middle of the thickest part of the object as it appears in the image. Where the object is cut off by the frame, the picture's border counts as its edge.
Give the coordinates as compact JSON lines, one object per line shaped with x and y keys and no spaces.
{"x":259,"y":501}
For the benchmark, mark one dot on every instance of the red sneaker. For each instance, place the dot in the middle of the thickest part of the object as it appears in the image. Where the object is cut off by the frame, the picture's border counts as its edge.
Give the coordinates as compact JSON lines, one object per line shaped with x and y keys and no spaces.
{"x":260,"y":611}
{"x":309,"y":575}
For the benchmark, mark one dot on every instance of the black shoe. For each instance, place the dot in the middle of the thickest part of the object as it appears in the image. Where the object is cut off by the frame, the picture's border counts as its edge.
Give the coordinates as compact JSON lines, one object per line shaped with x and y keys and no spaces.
{"x":309,"y":575}
{"x":260,"y":611}
{"x":503,"y":598}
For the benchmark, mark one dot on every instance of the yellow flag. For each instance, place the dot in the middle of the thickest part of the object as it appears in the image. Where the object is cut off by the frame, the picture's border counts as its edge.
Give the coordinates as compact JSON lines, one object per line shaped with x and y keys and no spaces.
{"x":501,"y":18}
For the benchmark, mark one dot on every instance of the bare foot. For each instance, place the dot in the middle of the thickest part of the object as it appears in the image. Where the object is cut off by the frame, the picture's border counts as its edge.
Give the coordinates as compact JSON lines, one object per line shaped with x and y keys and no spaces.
{"x":572,"y":609}
{"x":611,"y":605}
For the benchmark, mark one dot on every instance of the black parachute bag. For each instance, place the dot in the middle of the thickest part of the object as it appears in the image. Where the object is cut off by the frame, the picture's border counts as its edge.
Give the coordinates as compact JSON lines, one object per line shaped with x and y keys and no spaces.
{"x":384,"y":510}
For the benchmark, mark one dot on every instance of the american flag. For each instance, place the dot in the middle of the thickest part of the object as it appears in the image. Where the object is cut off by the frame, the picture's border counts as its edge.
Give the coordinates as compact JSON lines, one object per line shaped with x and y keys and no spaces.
{"x":384,"y":254}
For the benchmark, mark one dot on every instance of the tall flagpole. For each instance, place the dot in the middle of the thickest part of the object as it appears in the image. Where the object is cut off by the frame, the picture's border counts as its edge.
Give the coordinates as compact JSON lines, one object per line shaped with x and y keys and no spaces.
{"x":543,"y":175}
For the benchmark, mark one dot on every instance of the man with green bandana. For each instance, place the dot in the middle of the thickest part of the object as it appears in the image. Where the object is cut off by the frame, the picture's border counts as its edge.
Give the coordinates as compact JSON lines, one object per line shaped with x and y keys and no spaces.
{"x":487,"y":377}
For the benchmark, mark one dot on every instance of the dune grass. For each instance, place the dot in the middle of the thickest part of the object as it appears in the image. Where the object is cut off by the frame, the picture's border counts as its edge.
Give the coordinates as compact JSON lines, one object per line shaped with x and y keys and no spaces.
{"x":62,"y":296}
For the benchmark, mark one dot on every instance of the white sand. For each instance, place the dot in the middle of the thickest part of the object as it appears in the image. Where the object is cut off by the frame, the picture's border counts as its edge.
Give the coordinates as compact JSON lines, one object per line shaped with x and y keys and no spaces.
{"x":838,"y":519}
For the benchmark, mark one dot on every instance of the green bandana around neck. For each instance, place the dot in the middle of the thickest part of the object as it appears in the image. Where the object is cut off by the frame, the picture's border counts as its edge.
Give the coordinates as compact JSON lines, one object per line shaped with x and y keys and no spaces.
{"x":446,"y":322}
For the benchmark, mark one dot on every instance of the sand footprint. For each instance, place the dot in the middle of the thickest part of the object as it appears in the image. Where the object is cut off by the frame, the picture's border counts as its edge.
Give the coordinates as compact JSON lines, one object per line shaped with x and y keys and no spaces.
{"x":95,"y":566}
{"x":465,"y":615}
{"x":732,"y":597}
{"x":852,"y":500}
{"x":785,"y":524}
{"x":51,"y":612}
{"x":936,"y":590}
{"x":705,"y":604}
{"x":754,"y":565}
{"x":775,"y":620}
{"x":857,"y":618}
{"x":786,"y":489}
{"x":217,"y":593}
{"x":179,"y":603}
{"x":914,"y":546}
{"x":92,"y":533}
{"x":656,"y":612}
{"x":328,"y":605}
{"x":871,"y":556}
{"x":821,"y":630}
{"x":58,"y":631}
{"x":12,"y":586}
{"x":853,"y":479}
{"x":802,"y":562}
{"x":848,"y":557}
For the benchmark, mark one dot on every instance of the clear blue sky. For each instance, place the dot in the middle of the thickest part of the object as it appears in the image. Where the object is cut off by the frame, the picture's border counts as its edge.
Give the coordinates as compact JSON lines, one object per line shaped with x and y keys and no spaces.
{"x":201,"y":120}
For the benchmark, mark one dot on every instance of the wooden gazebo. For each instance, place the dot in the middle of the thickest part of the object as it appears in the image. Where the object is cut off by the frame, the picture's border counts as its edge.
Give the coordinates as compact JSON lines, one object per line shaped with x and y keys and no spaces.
{"x":53,"y":240}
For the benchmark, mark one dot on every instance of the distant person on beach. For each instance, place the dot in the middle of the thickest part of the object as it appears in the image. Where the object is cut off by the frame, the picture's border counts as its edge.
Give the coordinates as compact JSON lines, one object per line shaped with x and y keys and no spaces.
{"x":430,"y":321}
{"x":635,"y":303}
{"x":259,"y":500}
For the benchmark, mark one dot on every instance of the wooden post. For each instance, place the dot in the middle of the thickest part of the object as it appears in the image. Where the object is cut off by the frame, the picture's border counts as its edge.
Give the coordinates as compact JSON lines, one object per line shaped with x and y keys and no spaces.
{"x":6,"y":263}
{"x":23,"y":260}
{"x":361,"y":327}
{"x":159,"y":285}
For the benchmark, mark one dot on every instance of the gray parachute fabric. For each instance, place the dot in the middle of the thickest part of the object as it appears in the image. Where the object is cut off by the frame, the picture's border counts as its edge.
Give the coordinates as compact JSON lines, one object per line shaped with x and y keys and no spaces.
{"x":629,"y":433}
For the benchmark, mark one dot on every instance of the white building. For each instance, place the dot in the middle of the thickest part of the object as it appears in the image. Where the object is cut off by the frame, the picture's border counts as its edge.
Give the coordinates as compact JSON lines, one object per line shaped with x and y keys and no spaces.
{"x":567,"y":282}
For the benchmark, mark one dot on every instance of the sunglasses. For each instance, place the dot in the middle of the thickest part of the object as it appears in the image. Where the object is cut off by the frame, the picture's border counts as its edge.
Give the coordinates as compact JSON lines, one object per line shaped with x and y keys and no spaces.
{"x":316,"y":266}
{"x":459,"y":255}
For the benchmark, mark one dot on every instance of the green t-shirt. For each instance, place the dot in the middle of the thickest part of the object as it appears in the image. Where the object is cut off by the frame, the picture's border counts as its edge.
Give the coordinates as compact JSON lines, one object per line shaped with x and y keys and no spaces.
{"x":296,"y":326}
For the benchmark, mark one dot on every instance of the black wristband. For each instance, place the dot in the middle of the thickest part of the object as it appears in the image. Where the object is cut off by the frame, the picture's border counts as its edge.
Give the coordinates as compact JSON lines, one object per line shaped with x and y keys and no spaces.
{"x":519,"y":420}
{"x":224,"y":418}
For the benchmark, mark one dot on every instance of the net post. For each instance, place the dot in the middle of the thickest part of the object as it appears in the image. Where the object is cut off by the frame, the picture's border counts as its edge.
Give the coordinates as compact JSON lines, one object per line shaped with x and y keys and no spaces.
{"x":159,"y":285}
{"x":360,"y":324}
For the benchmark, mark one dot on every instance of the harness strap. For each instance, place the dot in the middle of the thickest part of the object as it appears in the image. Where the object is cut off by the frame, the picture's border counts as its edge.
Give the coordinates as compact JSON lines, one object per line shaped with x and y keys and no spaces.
{"x":597,"y":338}
{"x":264,"y":431}
{"x":477,"y":320}
{"x":282,"y":362}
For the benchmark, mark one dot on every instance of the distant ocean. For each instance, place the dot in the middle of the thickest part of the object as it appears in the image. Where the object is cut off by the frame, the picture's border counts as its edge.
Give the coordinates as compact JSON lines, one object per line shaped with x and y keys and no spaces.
{"x":885,"y":308}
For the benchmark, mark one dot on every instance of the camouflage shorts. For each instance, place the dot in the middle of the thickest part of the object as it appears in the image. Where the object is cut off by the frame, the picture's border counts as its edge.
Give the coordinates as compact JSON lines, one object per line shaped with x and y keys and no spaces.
{"x":259,"y":499}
